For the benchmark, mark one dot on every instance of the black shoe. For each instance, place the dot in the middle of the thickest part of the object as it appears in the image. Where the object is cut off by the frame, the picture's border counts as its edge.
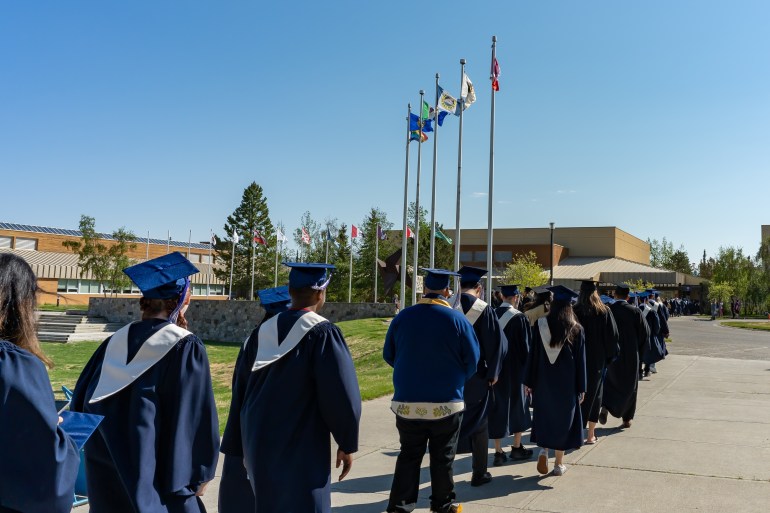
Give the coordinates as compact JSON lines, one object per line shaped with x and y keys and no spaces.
{"x":481,"y":479}
{"x":521,"y":453}
{"x":453,"y":507}
{"x":500,"y":459}
{"x":603,"y":416}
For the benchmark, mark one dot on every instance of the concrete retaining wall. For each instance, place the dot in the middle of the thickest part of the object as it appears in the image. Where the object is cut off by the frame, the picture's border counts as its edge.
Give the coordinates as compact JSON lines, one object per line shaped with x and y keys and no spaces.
{"x":229,"y":321}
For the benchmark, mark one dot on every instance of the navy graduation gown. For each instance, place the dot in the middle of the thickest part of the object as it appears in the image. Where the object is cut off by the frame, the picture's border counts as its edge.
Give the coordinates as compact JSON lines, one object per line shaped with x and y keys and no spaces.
{"x":159,"y":439}
{"x":654,"y":351}
{"x":602,"y":348}
{"x":38,"y":460}
{"x":492,"y":351}
{"x":509,"y":412}
{"x":621,"y":382}
{"x":557,"y":422}
{"x":288,"y":411}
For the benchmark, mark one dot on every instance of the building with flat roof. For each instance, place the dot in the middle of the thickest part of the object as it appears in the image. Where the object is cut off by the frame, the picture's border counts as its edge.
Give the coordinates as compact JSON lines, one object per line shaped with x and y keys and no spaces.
{"x":62,"y":281}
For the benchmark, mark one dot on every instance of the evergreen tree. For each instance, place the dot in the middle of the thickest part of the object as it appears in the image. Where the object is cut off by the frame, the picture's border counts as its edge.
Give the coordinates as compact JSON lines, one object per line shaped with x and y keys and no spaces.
{"x":364,"y":264}
{"x":316,"y":249}
{"x":252,"y":214}
{"x":339,"y":255}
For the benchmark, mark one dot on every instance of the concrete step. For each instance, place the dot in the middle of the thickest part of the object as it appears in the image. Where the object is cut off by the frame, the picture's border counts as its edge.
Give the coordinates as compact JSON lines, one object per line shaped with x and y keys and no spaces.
{"x":53,"y":337}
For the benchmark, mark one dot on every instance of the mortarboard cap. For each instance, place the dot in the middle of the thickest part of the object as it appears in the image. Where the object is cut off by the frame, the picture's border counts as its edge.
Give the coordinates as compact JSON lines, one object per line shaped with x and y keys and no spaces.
{"x":309,"y":274}
{"x":622,"y":288}
{"x":438,"y":279}
{"x":527,"y":289}
{"x":275,"y":300}
{"x":163,"y":277}
{"x":562,"y":293}
{"x":587,"y":285}
{"x":79,"y":426}
{"x":469,"y":274}
{"x":607,"y":300}
{"x":509,"y":290}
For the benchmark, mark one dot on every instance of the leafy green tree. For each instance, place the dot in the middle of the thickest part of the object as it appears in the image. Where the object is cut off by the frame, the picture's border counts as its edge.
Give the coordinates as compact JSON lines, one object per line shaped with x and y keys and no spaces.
{"x":679,"y":261}
{"x":314,"y":250}
{"x":364,"y":265}
{"x":660,"y":252}
{"x":525,"y":271}
{"x":639,"y":285}
{"x":251,"y":215}
{"x":734,"y":268}
{"x":720,"y":291}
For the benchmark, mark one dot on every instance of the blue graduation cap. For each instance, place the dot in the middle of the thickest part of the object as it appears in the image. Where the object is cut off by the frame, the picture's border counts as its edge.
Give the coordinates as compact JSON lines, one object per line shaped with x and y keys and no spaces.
{"x":644,"y":294}
{"x":274,"y":300}
{"x":163,"y":277}
{"x":309,"y":274}
{"x":607,"y":300}
{"x":80,"y":426}
{"x":509,"y":290}
{"x":562,"y":293}
{"x":437,"y":279}
{"x":471,"y":275}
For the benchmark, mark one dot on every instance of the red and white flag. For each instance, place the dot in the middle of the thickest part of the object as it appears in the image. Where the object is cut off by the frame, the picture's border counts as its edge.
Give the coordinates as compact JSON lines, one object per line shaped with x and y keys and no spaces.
{"x":354,"y":232}
{"x":494,"y":73}
{"x":259,"y":239}
{"x":305,"y":236}
{"x":409,"y":233}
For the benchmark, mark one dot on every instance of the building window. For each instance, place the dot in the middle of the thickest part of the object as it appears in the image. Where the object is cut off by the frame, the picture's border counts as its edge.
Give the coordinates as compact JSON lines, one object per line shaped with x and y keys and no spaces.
{"x":28,"y":244}
{"x":480,"y":256}
{"x":67,"y":286}
{"x":199,"y":289}
{"x":466,"y":256}
{"x":205,"y":259}
{"x":503,"y":256}
{"x":5,"y":242}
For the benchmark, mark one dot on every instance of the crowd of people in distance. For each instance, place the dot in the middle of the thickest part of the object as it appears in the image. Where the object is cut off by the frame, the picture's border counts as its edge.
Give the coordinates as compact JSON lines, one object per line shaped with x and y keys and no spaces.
{"x":549,"y":360}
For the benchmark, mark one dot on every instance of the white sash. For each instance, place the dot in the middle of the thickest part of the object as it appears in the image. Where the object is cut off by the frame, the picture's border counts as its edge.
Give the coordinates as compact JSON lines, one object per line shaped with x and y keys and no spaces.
{"x":269,"y":350}
{"x":507,"y":316}
{"x":117,"y":374}
{"x":545,"y":334}
{"x":477,"y":308}
{"x":646,"y":308}
{"x":653,"y":306}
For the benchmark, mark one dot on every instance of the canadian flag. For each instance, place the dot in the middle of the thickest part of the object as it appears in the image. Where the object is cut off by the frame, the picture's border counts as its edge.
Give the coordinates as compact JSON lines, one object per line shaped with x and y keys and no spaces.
{"x":354,"y":232}
{"x":409,"y":233}
{"x":259,"y":239}
{"x":305,"y":236}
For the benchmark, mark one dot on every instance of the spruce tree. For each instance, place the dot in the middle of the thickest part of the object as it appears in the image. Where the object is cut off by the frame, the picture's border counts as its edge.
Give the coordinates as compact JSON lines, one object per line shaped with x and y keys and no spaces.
{"x":364,"y":266}
{"x":339,"y":255}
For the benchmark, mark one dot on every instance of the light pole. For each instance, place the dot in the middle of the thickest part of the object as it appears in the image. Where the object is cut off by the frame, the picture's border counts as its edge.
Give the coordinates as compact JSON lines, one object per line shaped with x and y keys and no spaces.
{"x":551,"y":223}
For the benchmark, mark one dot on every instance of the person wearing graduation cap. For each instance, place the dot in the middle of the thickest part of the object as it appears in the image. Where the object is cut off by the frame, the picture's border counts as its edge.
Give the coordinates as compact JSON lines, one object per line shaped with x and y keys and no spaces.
{"x":158,"y":444}
{"x":474,"y":432}
{"x":622,"y":378}
{"x":509,"y":414}
{"x":556,"y":378}
{"x":539,"y":306}
{"x":302,"y":388}
{"x":601,"y":334}
{"x":38,"y":460}
{"x":235,"y":493}
{"x":654,"y":351}
{"x":433,"y":351}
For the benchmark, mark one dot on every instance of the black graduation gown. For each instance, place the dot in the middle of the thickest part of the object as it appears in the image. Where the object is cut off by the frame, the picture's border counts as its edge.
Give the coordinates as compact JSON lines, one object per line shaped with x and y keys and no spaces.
{"x":654,"y":352}
{"x":159,"y":439}
{"x":663,"y":316}
{"x":288,"y":411}
{"x":557,"y":422}
{"x":601,"y":334}
{"x":622,"y":379}
{"x":509,"y":412}
{"x":477,"y":392}
{"x":38,"y":460}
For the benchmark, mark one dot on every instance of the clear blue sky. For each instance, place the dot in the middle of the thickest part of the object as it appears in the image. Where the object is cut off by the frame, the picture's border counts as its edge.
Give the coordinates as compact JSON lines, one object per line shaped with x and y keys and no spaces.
{"x":652,"y":116}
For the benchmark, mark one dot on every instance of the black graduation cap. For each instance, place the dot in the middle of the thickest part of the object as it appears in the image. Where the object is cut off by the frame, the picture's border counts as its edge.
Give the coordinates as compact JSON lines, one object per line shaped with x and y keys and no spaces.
{"x":309,"y":274}
{"x":438,"y":279}
{"x":587,"y":285}
{"x":470,"y":274}
{"x":274,"y":300}
{"x":527,"y":289}
{"x":509,"y":290}
{"x":541,"y":289}
{"x":562,"y":293}
{"x":164,"y":277}
{"x":623,"y":288}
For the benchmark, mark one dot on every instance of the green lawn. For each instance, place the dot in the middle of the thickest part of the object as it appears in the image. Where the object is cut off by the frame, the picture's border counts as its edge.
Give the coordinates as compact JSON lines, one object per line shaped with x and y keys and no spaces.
{"x":757,"y":325}
{"x":364,"y":337}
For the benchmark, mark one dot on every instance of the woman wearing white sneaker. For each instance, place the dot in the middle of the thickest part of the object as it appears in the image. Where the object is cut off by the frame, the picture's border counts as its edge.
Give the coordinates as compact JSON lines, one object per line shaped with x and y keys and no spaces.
{"x":556,"y":378}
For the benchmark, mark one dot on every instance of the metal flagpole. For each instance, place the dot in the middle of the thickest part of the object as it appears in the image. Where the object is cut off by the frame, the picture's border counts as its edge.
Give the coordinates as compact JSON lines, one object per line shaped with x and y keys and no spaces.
{"x":404,"y":238}
{"x":417,"y":209}
{"x":278,"y":243}
{"x":461,"y":106}
{"x":350,"y":273}
{"x":433,"y":192}
{"x":376,"y":256}
{"x":189,"y":244}
{"x":168,"y":241}
{"x":253,"y":258}
{"x":232,"y":265}
{"x":491,"y":182}
{"x":211,"y":264}
{"x":326,"y":257}
{"x":147,"y":256}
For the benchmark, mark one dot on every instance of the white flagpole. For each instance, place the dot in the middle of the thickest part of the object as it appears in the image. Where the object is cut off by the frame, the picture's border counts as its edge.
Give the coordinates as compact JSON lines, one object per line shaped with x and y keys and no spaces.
{"x":232,"y":265}
{"x":211,"y":264}
{"x":253,"y":258}
{"x":417,"y":208}
{"x":376,"y":257}
{"x":404,"y":238}
{"x":326,"y":257}
{"x":278,"y":244}
{"x":189,"y":244}
{"x":461,"y":104}
{"x":168,"y":241}
{"x":433,"y":192}
{"x":490,"y":246}
{"x":147,"y":256}
{"x":350,"y":273}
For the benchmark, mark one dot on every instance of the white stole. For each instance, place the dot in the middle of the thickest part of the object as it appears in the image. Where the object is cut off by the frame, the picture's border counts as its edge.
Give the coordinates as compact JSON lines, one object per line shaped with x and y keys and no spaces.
{"x":545,"y":334}
{"x":477,"y":308}
{"x":269,"y":350}
{"x":117,"y":374}
{"x":507,"y":315}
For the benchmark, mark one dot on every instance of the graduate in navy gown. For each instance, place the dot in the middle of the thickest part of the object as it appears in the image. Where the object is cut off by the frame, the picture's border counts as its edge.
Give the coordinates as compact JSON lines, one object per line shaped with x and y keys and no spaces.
{"x":433,"y":351}
{"x":302,"y":388}
{"x":654,"y":351}
{"x":158,"y":444}
{"x":474,"y":432}
{"x":38,"y":460}
{"x":235,"y":492}
{"x":556,"y":378}
{"x":509,"y":413}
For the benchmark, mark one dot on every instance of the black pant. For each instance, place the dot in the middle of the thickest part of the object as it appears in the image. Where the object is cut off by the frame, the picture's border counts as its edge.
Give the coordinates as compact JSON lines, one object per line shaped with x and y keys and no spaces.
{"x":440,"y":436}
{"x":480,"y":449}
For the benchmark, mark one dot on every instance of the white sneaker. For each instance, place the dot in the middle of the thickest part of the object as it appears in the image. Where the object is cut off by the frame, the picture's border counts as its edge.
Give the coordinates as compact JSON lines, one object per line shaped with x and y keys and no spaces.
{"x":559,"y":470}
{"x":542,"y":461}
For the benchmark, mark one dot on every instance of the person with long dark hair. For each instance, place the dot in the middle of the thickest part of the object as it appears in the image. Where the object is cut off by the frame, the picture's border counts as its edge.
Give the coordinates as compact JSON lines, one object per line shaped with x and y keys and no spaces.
{"x":38,"y":460}
{"x":158,"y":444}
{"x":602,"y":348}
{"x":539,"y":306}
{"x":556,"y":378}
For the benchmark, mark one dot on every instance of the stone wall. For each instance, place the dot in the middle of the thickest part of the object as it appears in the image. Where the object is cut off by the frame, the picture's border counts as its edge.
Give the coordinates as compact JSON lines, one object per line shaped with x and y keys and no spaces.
{"x":230,"y":321}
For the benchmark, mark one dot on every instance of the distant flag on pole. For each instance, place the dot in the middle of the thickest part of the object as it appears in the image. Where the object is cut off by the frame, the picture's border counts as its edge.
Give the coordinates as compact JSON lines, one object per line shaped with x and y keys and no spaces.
{"x":441,"y":236}
{"x":416,"y":135}
{"x":414,"y":123}
{"x":213,"y":241}
{"x":354,"y":232}
{"x":280,"y":237}
{"x":381,"y":234}
{"x":236,"y":238}
{"x":494,"y":73}
{"x":441,"y":115}
{"x":305,"y":236}
{"x":446,"y":104}
{"x":259,"y":239}
{"x":330,"y":238}
{"x":425,"y":110}
{"x":467,"y":92}
{"x":409,"y":233}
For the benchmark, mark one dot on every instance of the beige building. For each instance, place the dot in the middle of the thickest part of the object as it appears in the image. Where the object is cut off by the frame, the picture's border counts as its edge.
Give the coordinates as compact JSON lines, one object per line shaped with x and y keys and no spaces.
{"x":61,"y":279}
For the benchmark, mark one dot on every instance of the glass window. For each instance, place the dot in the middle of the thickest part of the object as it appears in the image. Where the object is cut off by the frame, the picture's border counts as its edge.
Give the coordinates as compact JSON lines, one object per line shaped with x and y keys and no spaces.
{"x":5,"y":242}
{"x":29,"y":244}
{"x":480,"y":256}
{"x":205,"y":259}
{"x":61,"y":286}
{"x":83,"y":286}
{"x":503,"y":256}
{"x":466,"y":256}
